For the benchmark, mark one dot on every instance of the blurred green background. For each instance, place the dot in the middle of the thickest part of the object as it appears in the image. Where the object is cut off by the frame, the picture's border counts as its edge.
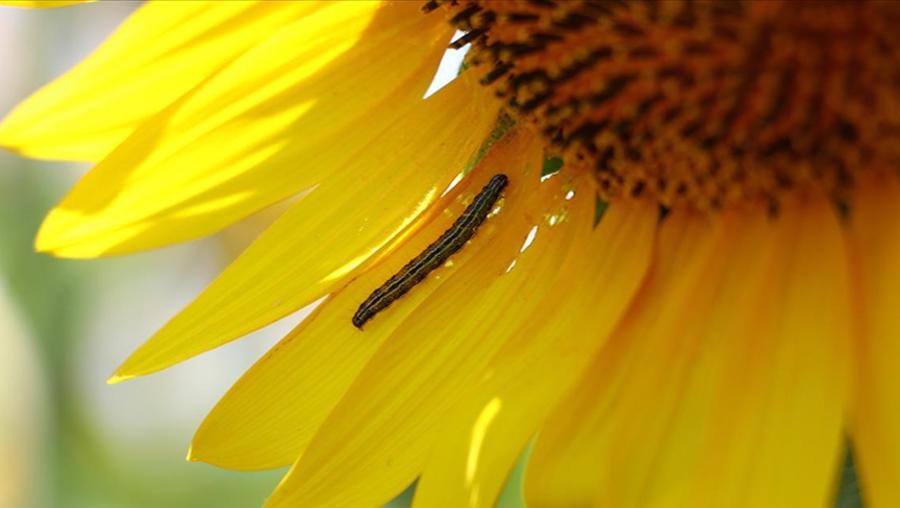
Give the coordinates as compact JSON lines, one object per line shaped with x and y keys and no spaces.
{"x":67,"y":439}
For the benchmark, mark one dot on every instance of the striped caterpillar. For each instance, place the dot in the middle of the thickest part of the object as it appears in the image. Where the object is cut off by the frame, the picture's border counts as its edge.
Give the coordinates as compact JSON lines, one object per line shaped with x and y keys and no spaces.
{"x":435,"y":255}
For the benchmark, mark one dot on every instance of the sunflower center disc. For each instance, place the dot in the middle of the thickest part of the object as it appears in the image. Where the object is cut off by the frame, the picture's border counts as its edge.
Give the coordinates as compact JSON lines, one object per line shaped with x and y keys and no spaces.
{"x":698,"y":104}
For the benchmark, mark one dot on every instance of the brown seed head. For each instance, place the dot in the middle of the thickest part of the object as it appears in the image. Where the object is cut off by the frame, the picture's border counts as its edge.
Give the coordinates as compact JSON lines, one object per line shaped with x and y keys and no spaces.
{"x":699,"y":104}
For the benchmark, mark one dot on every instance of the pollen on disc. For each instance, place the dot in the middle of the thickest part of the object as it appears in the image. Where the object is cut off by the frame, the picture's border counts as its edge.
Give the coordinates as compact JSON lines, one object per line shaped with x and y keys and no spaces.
{"x":698,"y":104}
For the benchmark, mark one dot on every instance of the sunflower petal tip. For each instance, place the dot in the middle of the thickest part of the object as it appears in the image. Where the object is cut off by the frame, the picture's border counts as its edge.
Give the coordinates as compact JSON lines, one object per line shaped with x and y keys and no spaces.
{"x":8,"y":138}
{"x":55,"y":238}
{"x":118,"y":377}
{"x":41,"y":245}
{"x":46,"y":241}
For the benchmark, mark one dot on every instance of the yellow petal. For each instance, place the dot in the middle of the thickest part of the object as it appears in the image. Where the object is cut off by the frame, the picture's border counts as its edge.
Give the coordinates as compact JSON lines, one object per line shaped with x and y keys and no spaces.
{"x":477,"y":446}
{"x":281,"y":118}
{"x":270,"y":415}
{"x":163,"y":50}
{"x":725,"y":383}
{"x":376,"y":439}
{"x":322,"y":239}
{"x":876,"y":423}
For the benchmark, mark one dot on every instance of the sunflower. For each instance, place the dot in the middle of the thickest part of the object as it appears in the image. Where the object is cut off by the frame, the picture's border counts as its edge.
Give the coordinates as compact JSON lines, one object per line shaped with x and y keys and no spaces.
{"x":684,"y":296}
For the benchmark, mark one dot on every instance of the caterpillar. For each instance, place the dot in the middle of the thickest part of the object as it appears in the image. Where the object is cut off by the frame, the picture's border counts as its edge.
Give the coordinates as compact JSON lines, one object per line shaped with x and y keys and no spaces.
{"x":435,"y":255}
